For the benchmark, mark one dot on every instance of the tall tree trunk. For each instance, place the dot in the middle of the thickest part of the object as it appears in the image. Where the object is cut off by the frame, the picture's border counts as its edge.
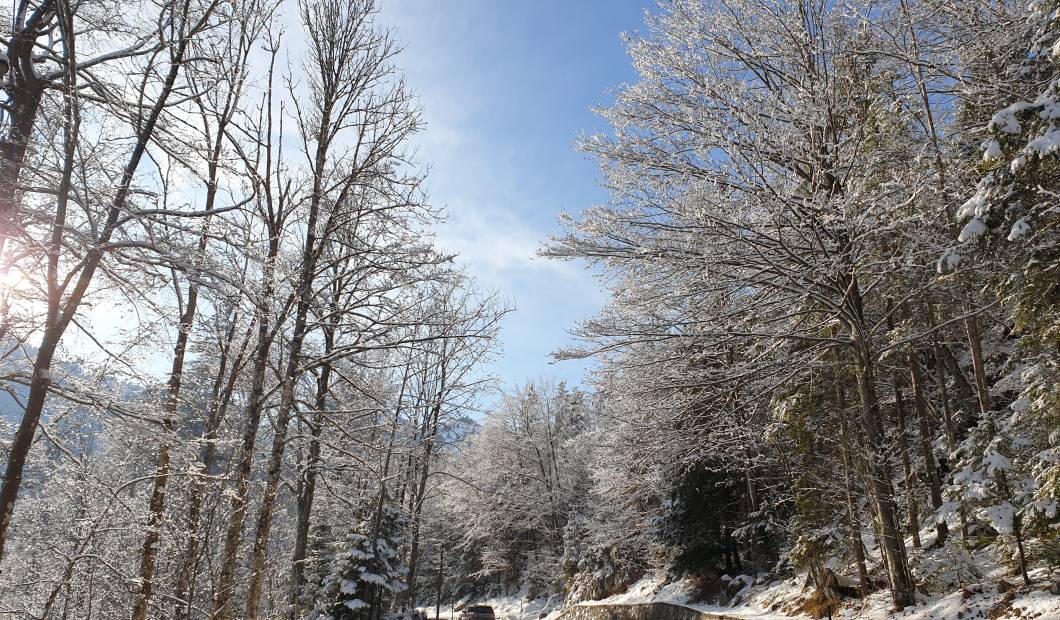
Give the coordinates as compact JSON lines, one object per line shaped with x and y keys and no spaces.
{"x":306,"y":492}
{"x":252,"y":420}
{"x":263,"y":524}
{"x":421,"y":489}
{"x":275,"y":462}
{"x":156,"y":510}
{"x":879,"y":470}
{"x":928,"y":454}
{"x":220,"y":398}
{"x":293,"y":369}
{"x":907,"y":473}
{"x":382,"y":495}
{"x":948,"y":417}
{"x":307,"y":483}
{"x":431,"y":420}
{"x":975,"y":343}
{"x":852,"y":508}
{"x":880,"y":479}
{"x":273,"y":209}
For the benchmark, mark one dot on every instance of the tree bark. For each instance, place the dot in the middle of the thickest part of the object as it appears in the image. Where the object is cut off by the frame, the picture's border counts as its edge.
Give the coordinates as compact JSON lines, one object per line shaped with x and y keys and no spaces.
{"x":431,"y":430}
{"x":975,"y":343}
{"x":26,"y":90}
{"x":880,"y":479}
{"x":864,"y":585}
{"x":156,"y":507}
{"x":275,"y":208}
{"x":948,"y":417}
{"x":307,"y":483}
{"x":293,"y":369}
{"x":254,"y":408}
{"x":903,"y":448}
{"x":169,"y":409}
{"x":879,"y":473}
{"x":220,"y":398}
{"x":1017,"y":529}
{"x":927,"y":452}
{"x":946,"y":361}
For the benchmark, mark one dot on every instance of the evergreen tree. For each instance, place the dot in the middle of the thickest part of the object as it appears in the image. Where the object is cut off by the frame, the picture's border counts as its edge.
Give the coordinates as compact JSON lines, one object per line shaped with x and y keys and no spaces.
{"x":365,"y":570}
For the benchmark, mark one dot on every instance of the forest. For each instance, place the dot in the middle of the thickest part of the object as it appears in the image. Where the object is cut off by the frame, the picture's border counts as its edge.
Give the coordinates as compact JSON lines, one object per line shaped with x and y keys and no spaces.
{"x":241,"y":378}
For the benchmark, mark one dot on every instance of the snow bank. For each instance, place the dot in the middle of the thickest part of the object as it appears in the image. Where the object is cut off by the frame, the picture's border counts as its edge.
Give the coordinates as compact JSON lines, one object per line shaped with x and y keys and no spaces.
{"x":654,"y":589}
{"x":650,"y":589}
{"x":996,"y":598}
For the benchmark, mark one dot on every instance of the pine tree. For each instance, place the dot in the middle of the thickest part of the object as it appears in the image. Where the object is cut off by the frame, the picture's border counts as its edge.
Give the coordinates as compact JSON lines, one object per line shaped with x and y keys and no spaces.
{"x":365,"y":570}
{"x":1013,"y":220}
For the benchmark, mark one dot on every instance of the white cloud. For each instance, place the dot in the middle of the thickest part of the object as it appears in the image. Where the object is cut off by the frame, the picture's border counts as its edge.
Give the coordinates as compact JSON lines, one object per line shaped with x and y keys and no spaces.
{"x":500,"y":167}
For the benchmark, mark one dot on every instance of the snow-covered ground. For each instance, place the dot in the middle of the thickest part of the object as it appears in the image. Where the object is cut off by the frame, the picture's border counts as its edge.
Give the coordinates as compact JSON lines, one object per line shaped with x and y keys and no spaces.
{"x":780,"y":600}
{"x":984,"y":600}
{"x":654,"y":589}
{"x":650,"y":590}
{"x":515,"y":607}
{"x":966,"y":585}
{"x":783,"y":599}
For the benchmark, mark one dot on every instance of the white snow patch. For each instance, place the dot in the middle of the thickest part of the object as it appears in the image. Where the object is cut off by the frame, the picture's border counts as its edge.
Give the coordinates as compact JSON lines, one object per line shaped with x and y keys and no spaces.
{"x":1006,"y":121}
{"x":991,"y":150}
{"x":996,"y":462}
{"x":999,"y":517}
{"x":972,"y":230}
{"x":1019,"y":228}
{"x":1045,"y":144}
{"x":976,"y":205}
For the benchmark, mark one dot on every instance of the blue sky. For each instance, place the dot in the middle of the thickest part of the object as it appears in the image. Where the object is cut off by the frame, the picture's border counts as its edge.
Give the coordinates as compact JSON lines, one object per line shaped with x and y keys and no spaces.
{"x":506,"y":87}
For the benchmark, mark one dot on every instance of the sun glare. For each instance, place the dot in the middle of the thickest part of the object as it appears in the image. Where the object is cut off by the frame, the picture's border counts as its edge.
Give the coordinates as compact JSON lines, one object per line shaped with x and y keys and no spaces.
{"x":12,"y":278}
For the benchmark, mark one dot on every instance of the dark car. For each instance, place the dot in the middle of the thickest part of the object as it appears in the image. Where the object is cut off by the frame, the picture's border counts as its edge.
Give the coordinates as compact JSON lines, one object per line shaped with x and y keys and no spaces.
{"x":477,"y":612}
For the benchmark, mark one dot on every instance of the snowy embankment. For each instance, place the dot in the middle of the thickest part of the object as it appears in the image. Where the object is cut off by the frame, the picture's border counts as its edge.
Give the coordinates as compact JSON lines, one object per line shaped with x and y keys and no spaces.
{"x":647,"y":590}
{"x":994,"y":598}
{"x":654,"y":589}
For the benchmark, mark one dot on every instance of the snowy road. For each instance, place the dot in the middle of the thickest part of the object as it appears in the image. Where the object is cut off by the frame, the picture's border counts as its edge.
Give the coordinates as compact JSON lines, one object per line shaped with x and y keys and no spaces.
{"x":613,"y":611}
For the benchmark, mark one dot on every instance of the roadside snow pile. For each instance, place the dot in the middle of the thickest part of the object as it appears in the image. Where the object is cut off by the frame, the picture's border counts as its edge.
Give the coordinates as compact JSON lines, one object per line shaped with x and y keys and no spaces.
{"x":650,"y":589}
{"x":996,"y":598}
{"x":655,"y":589}
{"x":1000,"y":600}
